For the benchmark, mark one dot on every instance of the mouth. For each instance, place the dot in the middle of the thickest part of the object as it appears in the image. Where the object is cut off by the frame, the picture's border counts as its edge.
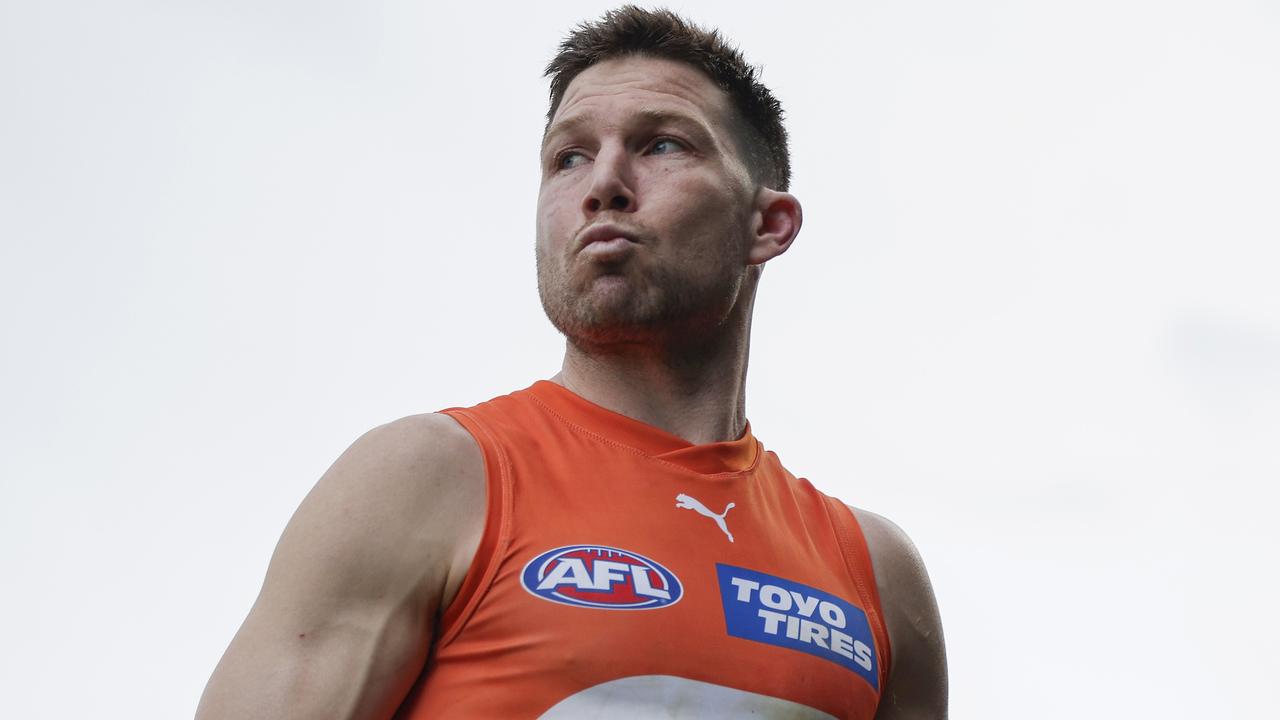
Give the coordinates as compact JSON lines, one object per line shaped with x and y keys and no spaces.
{"x":608,"y":250}
{"x":608,"y":234}
{"x":606,"y":243}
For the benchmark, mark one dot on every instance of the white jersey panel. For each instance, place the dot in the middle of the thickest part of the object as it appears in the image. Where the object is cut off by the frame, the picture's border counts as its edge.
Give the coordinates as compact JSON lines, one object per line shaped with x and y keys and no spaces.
{"x":665,"y":696}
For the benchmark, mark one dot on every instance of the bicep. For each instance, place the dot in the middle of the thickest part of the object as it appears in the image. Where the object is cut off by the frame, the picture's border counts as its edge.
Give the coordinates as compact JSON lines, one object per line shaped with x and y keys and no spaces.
{"x":354,"y":662}
{"x":343,"y":623}
{"x":917,"y":686}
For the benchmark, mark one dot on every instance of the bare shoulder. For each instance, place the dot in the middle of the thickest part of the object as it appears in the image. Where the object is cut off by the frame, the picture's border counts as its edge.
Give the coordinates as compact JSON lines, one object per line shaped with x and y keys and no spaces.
{"x":917,"y":685}
{"x":898,"y":564}
{"x":428,"y":456}
{"x":415,"y":484}
{"x":345,"y":618}
{"x":402,"y":446}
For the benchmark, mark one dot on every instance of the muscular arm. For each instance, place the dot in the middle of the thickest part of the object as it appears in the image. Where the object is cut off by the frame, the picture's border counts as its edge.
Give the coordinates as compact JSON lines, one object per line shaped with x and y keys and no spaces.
{"x":917,"y":686}
{"x":344,"y":621}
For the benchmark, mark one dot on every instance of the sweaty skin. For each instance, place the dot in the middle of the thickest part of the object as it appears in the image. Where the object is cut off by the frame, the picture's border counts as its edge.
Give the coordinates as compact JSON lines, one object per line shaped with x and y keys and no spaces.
{"x":657,"y":328}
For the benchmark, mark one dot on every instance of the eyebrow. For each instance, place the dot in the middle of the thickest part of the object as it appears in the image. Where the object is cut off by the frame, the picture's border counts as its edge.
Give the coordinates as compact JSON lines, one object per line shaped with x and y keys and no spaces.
{"x":646,"y":117}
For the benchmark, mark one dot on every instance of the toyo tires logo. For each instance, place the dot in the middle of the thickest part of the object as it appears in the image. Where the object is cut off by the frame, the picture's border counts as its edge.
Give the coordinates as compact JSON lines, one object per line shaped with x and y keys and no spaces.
{"x":601,"y":577}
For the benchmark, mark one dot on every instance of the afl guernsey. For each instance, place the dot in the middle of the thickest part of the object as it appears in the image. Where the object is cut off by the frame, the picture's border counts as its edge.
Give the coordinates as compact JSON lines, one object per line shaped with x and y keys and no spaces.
{"x":625,"y":572}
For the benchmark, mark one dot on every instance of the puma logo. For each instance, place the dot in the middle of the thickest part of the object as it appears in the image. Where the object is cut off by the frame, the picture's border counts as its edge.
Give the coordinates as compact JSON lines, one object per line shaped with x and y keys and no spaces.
{"x":691,"y":503}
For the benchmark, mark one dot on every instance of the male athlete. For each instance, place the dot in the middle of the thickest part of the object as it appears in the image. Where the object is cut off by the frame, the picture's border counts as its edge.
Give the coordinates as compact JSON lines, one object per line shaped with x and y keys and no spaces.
{"x":612,"y":542}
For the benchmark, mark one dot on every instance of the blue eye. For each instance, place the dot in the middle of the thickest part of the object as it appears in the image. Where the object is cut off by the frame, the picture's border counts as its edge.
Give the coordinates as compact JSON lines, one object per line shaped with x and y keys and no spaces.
{"x":663,"y":146}
{"x":569,"y":159}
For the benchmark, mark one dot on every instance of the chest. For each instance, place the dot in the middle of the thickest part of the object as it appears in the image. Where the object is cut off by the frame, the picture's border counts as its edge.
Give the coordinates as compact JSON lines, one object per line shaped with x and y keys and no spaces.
{"x":656,"y":591}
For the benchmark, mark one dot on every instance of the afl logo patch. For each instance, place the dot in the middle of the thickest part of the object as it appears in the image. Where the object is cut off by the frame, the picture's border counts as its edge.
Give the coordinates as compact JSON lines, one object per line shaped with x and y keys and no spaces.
{"x":601,"y":577}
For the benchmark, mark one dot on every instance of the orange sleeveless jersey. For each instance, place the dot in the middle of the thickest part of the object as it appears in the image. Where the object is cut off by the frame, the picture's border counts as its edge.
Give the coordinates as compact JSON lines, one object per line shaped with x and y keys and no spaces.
{"x":624,"y":572}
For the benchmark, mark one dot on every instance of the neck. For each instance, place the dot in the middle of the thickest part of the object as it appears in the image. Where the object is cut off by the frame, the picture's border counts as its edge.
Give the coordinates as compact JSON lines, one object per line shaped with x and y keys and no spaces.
{"x":696,"y":391}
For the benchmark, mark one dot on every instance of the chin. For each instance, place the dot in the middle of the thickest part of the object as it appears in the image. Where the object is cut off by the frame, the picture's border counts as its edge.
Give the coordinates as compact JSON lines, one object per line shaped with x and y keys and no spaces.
{"x":604,"y":320}
{"x":612,"y":310}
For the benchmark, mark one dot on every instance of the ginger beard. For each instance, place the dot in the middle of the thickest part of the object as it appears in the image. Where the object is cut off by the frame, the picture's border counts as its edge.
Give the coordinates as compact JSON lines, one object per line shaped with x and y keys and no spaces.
{"x":642,"y":298}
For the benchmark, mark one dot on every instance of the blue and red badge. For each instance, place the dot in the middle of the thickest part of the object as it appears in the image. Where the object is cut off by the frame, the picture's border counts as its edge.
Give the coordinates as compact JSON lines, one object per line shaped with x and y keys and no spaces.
{"x":597,"y":576}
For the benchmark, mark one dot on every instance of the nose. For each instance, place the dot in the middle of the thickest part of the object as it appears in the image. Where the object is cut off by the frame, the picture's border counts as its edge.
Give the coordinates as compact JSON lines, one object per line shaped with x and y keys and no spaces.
{"x":611,"y":184}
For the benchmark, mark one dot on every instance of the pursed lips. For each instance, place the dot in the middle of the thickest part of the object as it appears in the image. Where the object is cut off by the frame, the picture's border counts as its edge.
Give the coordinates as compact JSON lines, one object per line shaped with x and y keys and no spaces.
{"x":607,"y":234}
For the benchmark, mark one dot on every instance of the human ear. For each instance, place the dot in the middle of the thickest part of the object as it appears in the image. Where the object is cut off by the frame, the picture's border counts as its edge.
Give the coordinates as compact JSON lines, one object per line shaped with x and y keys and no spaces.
{"x":775,"y":224}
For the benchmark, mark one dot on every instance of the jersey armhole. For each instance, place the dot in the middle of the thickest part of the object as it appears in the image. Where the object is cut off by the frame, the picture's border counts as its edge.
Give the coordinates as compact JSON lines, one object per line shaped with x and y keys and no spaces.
{"x":494,"y":538}
{"x":853,"y":545}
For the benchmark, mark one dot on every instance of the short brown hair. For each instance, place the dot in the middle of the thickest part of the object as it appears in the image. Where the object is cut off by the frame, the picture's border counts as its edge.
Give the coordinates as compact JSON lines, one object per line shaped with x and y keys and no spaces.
{"x":630,"y":30}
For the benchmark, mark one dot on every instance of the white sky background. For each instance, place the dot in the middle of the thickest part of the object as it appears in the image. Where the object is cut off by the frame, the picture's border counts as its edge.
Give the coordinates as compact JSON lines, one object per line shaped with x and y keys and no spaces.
{"x":1033,"y":315}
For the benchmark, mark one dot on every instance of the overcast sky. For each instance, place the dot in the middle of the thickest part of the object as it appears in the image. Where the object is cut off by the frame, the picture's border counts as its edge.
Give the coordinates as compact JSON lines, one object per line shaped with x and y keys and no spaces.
{"x":1033,"y":315}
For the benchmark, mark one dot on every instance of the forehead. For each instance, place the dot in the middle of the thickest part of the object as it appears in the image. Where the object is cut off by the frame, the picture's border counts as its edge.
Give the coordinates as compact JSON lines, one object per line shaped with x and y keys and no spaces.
{"x":622,"y":85}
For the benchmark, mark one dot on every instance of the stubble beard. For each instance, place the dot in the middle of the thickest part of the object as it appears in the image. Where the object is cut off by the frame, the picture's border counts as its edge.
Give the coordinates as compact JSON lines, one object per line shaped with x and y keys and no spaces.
{"x":659,"y":311}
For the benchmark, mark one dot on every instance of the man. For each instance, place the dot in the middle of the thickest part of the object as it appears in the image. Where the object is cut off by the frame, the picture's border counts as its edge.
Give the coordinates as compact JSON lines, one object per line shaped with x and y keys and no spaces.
{"x":613,"y":542}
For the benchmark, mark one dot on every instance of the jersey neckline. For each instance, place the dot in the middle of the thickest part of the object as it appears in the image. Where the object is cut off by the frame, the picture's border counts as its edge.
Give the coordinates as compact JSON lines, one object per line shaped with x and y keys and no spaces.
{"x":730,"y":456}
